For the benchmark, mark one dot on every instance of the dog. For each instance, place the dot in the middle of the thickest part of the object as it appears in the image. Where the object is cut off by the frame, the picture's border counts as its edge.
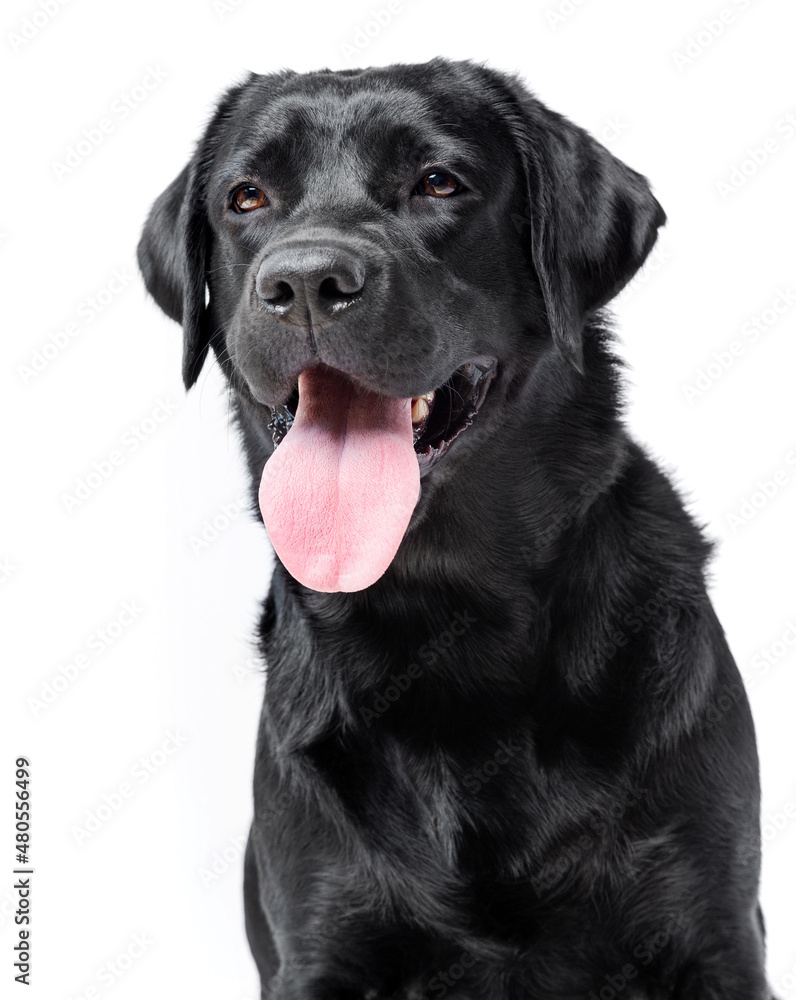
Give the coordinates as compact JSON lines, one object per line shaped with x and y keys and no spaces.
{"x":504,"y":750}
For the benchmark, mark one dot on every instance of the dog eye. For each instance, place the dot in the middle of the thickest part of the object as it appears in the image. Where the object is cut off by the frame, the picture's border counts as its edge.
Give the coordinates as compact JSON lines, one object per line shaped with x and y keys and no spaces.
{"x":247,"y":198}
{"x":439,"y":185}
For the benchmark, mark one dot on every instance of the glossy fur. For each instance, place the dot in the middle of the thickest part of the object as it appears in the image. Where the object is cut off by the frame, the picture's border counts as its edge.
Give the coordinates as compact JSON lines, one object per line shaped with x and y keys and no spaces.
{"x":522,"y":764}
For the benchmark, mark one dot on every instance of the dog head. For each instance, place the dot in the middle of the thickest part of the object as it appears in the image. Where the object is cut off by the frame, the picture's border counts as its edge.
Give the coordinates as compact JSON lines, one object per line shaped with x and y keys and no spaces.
{"x":407,"y":233}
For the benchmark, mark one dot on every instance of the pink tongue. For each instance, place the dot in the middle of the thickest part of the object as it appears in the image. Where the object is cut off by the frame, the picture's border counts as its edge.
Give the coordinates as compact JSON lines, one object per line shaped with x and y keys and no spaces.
{"x":338,"y":492}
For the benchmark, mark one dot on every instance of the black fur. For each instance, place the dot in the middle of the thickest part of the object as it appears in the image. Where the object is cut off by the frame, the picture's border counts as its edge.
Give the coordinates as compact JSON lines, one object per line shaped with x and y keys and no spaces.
{"x":522,"y":764}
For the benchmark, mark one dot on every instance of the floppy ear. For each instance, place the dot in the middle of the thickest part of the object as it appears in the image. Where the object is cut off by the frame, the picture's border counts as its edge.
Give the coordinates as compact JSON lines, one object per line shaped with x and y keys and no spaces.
{"x":171,"y":255}
{"x":592,"y":220}
{"x":173,"y":248}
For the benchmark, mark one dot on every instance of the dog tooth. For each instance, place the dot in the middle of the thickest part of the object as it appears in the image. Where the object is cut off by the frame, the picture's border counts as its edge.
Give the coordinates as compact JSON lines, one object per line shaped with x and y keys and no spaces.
{"x":420,"y":409}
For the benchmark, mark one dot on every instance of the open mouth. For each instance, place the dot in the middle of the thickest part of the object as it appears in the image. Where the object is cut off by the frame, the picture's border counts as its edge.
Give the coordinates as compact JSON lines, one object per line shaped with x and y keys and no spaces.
{"x":338,"y":493}
{"x":438,"y":416}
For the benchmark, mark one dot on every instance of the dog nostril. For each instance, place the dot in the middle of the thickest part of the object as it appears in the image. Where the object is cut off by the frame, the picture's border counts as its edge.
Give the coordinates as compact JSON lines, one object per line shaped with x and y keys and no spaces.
{"x":279,"y":294}
{"x":333,"y":290}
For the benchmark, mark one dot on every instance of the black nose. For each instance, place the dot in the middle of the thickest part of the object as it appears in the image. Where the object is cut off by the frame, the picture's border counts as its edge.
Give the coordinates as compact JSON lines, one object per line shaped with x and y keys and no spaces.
{"x":310,"y":285}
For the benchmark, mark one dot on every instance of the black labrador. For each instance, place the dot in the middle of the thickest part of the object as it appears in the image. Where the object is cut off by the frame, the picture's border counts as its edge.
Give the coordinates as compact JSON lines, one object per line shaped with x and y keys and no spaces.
{"x":504,"y":751}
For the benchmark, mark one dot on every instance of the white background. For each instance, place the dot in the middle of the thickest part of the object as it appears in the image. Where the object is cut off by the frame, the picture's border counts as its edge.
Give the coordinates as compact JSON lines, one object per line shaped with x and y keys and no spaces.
{"x":156,"y":867}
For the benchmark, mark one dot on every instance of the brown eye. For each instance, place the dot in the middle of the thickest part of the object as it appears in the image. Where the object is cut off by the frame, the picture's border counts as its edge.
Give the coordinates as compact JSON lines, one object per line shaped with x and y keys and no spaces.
{"x":247,"y":198}
{"x":439,"y":185}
